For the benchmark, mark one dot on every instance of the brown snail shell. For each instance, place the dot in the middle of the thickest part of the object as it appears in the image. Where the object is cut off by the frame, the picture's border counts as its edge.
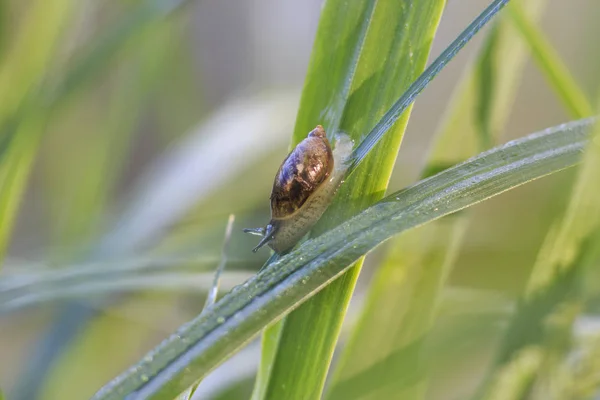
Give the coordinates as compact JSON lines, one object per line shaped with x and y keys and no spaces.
{"x":303,"y":188}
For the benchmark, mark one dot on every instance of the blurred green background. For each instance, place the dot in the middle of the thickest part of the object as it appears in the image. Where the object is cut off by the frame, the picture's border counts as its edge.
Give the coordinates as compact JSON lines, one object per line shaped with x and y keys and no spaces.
{"x":131,"y":130}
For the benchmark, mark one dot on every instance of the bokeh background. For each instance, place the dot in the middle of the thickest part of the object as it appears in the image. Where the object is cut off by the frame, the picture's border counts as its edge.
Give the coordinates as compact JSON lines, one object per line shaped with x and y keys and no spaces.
{"x":183,"y":121}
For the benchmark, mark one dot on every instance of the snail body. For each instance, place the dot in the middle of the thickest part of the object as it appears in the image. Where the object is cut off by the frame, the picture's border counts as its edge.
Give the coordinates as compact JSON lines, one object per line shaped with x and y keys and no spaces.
{"x":304,"y":186}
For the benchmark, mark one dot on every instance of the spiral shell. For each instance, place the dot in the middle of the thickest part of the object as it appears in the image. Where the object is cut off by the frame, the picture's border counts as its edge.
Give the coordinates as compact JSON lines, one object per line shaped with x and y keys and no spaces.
{"x":302,"y":190}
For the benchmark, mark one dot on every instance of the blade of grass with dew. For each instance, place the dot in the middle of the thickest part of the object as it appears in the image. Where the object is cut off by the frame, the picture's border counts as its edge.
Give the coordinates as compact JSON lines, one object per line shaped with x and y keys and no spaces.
{"x":550,"y":63}
{"x":409,"y":96}
{"x":255,"y":115}
{"x":557,"y":274}
{"x":203,"y":343}
{"x":211,"y":298}
{"x":365,"y":56}
{"x":401,"y":301}
{"x":397,"y":314}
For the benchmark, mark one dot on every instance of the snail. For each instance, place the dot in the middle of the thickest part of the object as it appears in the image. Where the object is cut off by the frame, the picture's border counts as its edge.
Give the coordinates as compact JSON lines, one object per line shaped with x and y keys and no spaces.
{"x":304,"y":185}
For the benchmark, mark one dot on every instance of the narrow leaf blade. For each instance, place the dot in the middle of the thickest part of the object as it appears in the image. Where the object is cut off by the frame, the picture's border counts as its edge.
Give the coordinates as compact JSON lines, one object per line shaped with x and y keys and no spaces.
{"x":203,"y":343}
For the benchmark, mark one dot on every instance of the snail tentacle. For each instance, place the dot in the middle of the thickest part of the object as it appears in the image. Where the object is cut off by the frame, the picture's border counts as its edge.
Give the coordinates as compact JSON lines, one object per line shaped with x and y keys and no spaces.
{"x":269,"y":234}
{"x":255,"y":231}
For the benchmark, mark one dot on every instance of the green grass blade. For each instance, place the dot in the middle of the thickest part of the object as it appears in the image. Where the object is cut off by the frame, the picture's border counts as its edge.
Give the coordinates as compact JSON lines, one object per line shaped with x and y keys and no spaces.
{"x":363,"y":77}
{"x":269,"y":345}
{"x":177,"y":282}
{"x":550,"y":63}
{"x":484,"y":98}
{"x":198,"y":346}
{"x":400,"y":304}
{"x":329,"y":307}
{"x":392,"y":115}
{"x":384,"y":357}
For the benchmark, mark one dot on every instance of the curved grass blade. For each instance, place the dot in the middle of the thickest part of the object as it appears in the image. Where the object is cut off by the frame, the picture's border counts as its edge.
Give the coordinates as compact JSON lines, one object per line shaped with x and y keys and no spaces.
{"x":85,"y":289}
{"x":390,"y":337}
{"x":158,"y":205}
{"x":309,"y":335}
{"x":200,"y":345}
{"x":389,"y":49}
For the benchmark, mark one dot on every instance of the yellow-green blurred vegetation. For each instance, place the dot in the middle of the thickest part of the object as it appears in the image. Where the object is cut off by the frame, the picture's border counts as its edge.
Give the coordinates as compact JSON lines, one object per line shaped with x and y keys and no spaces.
{"x":130,"y":131}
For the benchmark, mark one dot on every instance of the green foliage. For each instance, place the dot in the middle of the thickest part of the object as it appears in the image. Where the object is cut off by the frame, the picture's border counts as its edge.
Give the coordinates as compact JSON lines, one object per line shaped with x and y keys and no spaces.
{"x":22,"y":119}
{"x":352,"y":37}
{"x":554,"y":293}
{"x":118,"y":168}
{"x":402,"y":299}
{"x":206,"y":341}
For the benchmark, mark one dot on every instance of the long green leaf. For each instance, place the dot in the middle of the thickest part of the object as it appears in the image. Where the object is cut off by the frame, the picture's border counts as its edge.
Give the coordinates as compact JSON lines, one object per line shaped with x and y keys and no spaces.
{"x":401,"y":300}
{"x":387,"y":50}
{"x":200,"y":345}
{"x":336,"y":306}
